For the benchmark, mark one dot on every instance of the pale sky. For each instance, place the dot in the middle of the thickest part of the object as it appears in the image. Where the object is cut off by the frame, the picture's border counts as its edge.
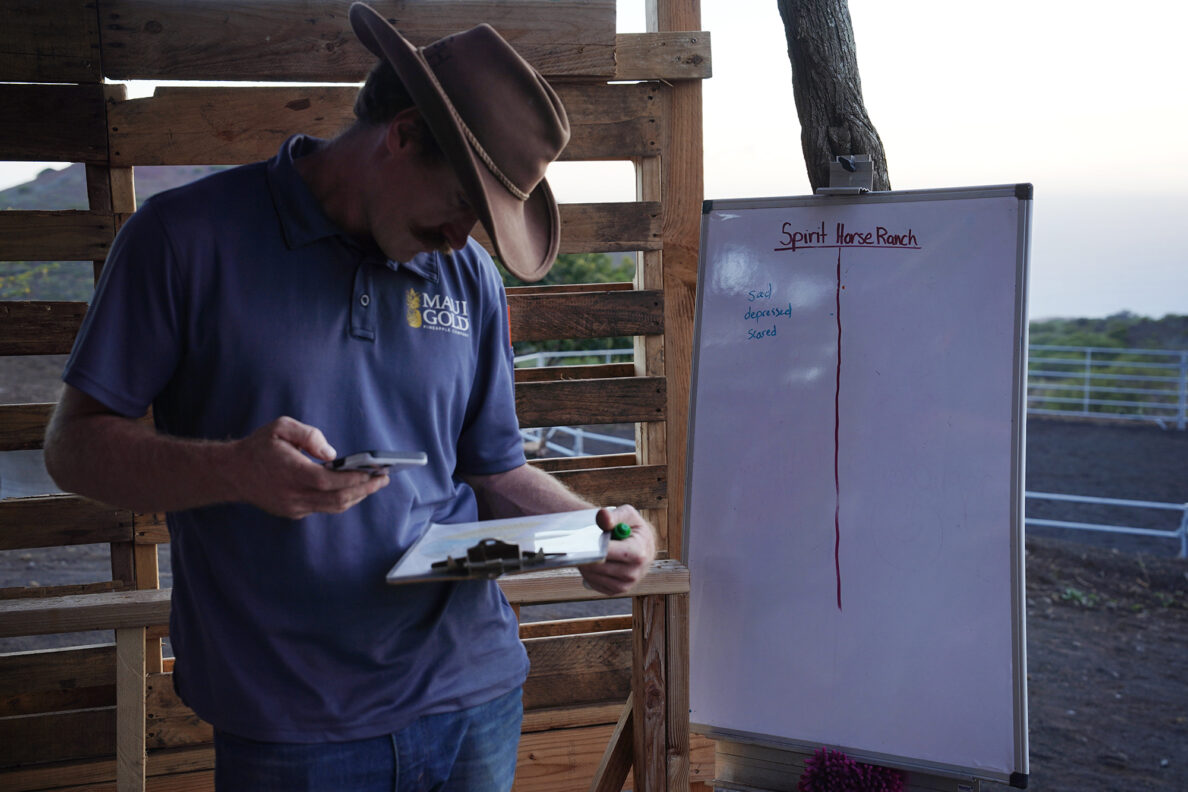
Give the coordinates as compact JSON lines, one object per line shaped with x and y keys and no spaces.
{"x":1087,"y":104}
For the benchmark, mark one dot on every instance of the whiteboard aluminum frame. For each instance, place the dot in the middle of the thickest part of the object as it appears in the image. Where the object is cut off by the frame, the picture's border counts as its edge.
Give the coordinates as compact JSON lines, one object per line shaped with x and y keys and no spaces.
{"x":1023,"y":192}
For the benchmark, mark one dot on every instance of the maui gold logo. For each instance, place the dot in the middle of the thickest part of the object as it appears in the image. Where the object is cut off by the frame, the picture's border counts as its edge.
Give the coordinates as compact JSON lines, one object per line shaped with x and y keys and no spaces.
{"x":437,"y":312}
{"x":413,"y":301}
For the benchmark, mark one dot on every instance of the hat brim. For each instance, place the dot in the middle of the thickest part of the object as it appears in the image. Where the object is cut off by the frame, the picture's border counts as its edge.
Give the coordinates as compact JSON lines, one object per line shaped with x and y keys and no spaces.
{"x":524,"y":233}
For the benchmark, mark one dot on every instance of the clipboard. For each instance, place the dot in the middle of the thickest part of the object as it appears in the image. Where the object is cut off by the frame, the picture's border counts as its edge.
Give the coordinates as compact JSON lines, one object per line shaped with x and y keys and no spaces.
{"x":490,"y":548}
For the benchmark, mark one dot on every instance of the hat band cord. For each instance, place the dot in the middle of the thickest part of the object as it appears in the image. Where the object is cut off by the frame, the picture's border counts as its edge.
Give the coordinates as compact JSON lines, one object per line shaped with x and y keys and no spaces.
{"x":474,"y":143}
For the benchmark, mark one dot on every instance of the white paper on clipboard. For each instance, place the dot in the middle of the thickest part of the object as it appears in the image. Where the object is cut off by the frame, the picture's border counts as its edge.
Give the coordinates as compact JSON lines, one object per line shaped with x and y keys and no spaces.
{"x":568,"y":539}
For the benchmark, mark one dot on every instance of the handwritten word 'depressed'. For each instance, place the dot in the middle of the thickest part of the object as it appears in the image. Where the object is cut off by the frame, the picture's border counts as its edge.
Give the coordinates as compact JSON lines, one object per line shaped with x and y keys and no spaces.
{"x":754,"y":315}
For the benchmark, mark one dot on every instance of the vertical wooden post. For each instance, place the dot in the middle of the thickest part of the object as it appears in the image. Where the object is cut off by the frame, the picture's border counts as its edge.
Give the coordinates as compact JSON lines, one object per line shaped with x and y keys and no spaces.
{"x":648,"y":690}
{"x":130,"y":709}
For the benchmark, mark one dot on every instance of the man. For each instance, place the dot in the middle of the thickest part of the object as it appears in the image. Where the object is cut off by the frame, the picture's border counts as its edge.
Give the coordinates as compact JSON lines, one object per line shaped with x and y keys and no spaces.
{"x":332,"y":294}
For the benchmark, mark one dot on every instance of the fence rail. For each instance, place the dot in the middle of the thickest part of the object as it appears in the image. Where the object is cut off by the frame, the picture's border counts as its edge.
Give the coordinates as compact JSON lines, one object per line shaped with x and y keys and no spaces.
{"x":1180,"y":533}
{"x":1107,"y":382}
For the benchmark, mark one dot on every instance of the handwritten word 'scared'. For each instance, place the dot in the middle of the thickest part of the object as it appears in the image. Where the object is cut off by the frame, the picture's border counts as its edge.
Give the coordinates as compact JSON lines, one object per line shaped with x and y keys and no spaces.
{"x":756,"y":334}
{"x":791,"y":239}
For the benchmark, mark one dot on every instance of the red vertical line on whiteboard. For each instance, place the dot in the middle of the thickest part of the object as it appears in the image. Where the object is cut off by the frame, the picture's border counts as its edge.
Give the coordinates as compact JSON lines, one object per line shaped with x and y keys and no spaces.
{"x":836,"y":439}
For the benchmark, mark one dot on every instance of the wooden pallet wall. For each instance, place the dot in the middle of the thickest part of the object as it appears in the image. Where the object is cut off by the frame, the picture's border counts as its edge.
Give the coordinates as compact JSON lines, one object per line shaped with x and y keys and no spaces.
{"x":61,"y":67}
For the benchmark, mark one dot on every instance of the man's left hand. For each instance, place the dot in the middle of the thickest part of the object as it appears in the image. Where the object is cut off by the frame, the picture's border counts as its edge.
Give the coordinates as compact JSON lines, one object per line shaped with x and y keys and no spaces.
{"x":627,"y":560}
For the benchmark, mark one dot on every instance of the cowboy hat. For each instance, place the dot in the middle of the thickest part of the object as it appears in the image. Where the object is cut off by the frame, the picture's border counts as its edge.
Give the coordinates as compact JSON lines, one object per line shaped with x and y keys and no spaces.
{"x":498,"y":122}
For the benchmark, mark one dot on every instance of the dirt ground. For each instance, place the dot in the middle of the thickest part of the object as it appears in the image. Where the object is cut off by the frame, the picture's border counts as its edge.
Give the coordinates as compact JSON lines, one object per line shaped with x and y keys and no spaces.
{"x":1107,"y":616}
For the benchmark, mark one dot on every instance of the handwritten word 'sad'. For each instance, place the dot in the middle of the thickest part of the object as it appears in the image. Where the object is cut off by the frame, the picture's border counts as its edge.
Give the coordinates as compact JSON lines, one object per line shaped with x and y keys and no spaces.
{"x":761,"y":310}
{"x":791,"y":238}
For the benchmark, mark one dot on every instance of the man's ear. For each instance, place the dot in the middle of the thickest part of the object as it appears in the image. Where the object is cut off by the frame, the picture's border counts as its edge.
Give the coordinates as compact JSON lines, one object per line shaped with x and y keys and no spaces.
{"x":404,"y":133}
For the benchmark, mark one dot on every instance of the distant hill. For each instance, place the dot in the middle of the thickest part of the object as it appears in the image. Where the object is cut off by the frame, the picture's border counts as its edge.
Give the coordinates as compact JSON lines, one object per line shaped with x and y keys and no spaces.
{"x":67,"y":188}
{"x":1120,"y":330}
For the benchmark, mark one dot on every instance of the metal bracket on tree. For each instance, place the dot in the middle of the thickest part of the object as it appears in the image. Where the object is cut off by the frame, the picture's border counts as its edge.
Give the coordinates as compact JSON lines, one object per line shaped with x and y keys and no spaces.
{"x":850,"y":174}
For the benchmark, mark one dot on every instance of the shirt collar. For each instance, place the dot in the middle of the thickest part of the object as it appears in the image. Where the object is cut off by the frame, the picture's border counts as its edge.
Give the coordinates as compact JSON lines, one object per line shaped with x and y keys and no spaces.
{"x":302,"y":218}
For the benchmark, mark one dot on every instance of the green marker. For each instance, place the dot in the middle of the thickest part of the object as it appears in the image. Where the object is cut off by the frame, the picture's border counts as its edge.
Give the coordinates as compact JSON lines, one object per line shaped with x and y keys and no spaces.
{"x":621,"y":531}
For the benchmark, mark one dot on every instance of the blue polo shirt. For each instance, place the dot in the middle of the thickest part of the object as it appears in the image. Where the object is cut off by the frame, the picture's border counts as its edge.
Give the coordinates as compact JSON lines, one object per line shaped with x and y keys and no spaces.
{"x":235,"y":300}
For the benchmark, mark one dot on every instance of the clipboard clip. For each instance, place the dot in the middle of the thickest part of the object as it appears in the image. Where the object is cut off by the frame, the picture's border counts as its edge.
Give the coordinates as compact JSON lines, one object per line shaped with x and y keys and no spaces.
{"x":490,"y":558}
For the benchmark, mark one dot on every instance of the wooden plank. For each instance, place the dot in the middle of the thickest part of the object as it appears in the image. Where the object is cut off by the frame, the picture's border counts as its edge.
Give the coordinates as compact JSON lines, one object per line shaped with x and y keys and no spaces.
{"x":572,"y":287}
{"x":308,"y":40}
{"x":554,"y":373}
{"x":587,"y":624}
{"x":165,"y":770}
{"x":676,"y":669}
{"x":130,"y":710}
{"x":570,"y":717}
{"x":583,"y":402}
{"x":649,"y":691}
{"x":616,"y":760}
{"x":585,"y":462}
{"x":76,"y":734}
{"x":52,"y":123}
{"x":578,"y":669}
{"x":55,"y":236}
{"x":50,"y":41}
{"x":237,"y":124}
{"x":565,"y":585}
{"x":644,"y":487}
{"x":682,"y":186}
{"x":665,"y":55}
{"x":22,"y":426}
{"x":538,"y":317}
{"x":85,"y":612}
{"x":31,"y":327}
{"x":31,"y":681}
{"x":560,"y":761}
{"x":171,"y":724}
{"x":602,"y":228}
{"x":54,"y":520}
{"x":67,"y":590}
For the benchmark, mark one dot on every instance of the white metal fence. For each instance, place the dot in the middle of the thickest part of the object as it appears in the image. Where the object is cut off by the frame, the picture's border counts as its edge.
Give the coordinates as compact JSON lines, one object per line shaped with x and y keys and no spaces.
{"x":1105,"y":382}
{"x":1180,"y":533}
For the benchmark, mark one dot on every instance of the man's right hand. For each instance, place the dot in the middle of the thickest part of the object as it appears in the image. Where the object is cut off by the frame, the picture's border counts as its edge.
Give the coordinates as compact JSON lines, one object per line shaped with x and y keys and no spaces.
{"x":126,"y":462}
{"x":269,"y":469}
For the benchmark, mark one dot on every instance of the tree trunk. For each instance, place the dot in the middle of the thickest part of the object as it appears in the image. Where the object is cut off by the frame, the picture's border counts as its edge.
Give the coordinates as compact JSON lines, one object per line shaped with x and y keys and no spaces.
{"x":827,"y":88}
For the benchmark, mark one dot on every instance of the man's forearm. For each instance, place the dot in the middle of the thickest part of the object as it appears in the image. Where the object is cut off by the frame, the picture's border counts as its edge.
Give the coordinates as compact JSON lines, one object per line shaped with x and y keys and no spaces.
{"x":524,"y":490}
{"x":129,"y":464}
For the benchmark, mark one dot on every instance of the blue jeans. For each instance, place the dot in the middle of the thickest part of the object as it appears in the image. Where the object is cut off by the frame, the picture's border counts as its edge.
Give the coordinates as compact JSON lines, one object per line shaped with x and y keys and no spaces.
{"x":469,"y":751}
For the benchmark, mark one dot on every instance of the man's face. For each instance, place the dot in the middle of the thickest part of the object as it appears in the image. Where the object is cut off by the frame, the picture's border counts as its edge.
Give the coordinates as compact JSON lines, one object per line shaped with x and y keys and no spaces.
{"x":421,"y":208}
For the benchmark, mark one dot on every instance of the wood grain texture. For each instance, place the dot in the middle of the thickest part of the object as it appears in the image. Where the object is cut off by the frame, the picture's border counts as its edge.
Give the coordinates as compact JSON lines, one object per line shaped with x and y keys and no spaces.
{"x":55,"y":236}
{"x":130,"y":732}
{"x":55,"y":520}
{"x":312,"y":41}
{"x":578,"y":626}
{"x":230,"y":125}
{"x":578,"y":402}
{"x":665,"y":55}
{"x":578,"y":669}
{"x":644,"y":487}
{"x":26,"y":676}
{"x":57,"y":736}
{"x":49,"y":41}
{"x":616,"y":759}
{"x":539,"y":317}
{"x":22,"y":426}
{"x":560,"y":761}
{"x":31,"y":327}
{"x":594,"y":371}
{"x":83,"y":613}
{"x":601,"y":228}
{"x":565,"y":585}
{"x":649,"y":693}
{"x":52,"y":123}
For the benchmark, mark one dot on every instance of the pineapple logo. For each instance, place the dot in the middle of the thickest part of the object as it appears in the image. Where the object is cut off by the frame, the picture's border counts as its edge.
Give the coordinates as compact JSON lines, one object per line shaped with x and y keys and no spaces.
{"x":413,"y":301}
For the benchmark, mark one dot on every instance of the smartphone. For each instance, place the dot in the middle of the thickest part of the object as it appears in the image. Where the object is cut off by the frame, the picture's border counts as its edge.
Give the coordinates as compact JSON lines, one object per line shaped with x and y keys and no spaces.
{"x":379,"y":462}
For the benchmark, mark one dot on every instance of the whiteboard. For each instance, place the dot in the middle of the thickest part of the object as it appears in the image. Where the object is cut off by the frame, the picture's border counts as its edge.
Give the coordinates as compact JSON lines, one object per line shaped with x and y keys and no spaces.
{"x":854,"y":513}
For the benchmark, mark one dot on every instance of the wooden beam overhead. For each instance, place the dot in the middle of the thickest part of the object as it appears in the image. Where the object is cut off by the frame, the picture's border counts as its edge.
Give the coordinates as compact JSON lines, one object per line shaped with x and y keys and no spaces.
{"x":308,"y":40}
